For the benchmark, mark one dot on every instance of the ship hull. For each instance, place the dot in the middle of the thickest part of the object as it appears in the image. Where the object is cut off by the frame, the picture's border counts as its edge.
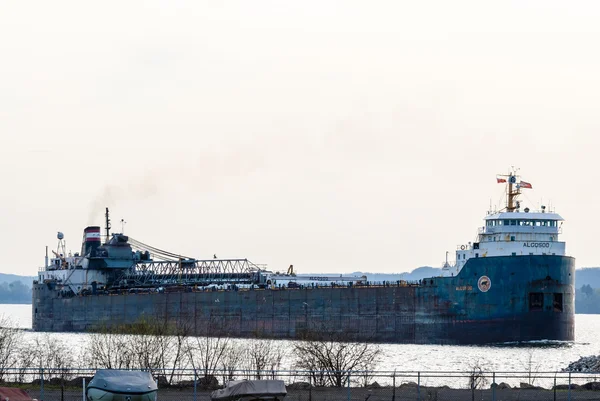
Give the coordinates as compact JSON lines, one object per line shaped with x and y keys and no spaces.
{"x":526,"y":298}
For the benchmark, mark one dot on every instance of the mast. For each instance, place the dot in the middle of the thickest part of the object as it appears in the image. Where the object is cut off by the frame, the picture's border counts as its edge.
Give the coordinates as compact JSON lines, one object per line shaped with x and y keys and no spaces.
{"x":512,"y":204}
{"x":107,"y":226}
{"x":513,"y":191}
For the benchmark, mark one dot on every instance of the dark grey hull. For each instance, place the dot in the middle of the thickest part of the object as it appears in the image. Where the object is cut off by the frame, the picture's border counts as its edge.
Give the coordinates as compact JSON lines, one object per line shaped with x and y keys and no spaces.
{"x":446,"y":310}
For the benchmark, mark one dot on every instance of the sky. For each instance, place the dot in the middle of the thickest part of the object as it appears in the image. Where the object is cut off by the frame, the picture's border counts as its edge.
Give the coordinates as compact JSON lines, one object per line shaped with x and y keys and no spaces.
{"x":337,"y":136}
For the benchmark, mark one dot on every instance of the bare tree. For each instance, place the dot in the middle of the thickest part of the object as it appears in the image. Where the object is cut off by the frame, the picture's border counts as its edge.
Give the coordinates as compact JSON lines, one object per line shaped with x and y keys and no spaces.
{"x":25,"y":362}
{"x":330,"y":358}
{"x":53,"y":356}
{"x":262,"y":355}
{"x":143,"y":344}
{"x":207,"y":353}
{"x":147,"y":344}
{"x":10,"y":340}
{"x":179,"y":348}
{"x":231,"y":361}
{"x":365,"y":377}
{"x":108,"y":350}
{"x":151,"y":344}
{"x":532,"y":366}
{"x":477,"y":376}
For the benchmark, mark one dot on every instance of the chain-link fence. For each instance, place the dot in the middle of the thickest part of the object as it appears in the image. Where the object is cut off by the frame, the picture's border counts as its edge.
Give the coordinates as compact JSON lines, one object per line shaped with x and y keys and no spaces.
{"x":189,"y":385}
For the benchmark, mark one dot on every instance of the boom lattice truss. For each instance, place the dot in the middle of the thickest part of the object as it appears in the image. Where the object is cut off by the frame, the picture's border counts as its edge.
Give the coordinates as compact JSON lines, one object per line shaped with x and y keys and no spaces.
{"x":190,"y":272}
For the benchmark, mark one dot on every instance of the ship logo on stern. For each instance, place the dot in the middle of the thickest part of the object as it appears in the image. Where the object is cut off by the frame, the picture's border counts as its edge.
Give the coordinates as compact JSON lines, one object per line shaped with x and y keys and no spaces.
{"x":484,"y":283}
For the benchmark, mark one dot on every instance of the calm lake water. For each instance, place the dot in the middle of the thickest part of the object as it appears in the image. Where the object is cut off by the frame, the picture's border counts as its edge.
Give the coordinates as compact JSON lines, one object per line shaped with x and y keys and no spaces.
{"x":549,"y":357}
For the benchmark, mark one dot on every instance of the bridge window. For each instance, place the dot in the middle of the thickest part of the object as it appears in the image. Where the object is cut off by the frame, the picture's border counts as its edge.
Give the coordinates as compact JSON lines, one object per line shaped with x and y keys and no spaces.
{"x":512,"y":237}
{"x":551,"y":238}
{"x":536,"y":301}
{"x":513,"y":222}
{"x":558,"y":302}
{"x":506,"y":222}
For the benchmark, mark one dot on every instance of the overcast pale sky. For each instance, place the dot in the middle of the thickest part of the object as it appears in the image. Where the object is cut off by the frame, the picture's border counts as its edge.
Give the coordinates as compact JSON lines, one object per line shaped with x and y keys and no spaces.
{"x":333,"y":135}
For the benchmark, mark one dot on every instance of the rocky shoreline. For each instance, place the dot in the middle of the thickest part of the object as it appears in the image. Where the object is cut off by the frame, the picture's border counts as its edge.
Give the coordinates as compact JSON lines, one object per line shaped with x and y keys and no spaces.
{"x":585,"y":364}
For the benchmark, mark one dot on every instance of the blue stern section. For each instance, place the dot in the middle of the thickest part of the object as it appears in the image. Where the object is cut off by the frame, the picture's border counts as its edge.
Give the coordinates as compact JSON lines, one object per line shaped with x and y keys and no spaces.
{"x":522,"y":298}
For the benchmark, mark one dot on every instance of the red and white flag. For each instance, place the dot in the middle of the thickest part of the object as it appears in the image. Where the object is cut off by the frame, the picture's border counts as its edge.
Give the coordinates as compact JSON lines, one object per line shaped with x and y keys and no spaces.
{"x":524,"y":184}
{"x":500,"y":180}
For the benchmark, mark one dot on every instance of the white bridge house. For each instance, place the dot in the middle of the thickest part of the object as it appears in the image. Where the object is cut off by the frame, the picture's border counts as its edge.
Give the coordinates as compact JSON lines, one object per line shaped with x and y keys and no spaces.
{"x":512,"y":232}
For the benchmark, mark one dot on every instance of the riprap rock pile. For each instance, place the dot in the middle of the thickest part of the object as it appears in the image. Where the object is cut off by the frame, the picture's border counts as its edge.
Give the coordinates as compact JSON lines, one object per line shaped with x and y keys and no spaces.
{"x":585,"y":364}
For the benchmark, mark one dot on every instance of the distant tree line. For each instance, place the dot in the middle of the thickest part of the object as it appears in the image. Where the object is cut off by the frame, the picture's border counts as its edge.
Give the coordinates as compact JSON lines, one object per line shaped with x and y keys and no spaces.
{"x":587,"y":299}
{"x":15,"y":293}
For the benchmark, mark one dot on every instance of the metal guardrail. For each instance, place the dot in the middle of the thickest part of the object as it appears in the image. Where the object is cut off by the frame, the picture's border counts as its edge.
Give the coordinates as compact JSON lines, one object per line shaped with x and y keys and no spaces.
{"x":66,"y":384}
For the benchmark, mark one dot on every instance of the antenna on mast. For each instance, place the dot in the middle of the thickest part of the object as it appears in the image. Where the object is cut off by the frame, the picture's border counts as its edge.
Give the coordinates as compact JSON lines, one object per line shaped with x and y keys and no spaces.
{"x":107,"y":226}
{"x":123,"y":222}
{"x":511,"y":205}
{"x":514,"y":189}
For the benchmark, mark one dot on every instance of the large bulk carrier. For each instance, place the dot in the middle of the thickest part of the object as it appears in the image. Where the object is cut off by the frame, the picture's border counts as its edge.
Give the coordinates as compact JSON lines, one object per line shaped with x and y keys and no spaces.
{"x":513,"y":283}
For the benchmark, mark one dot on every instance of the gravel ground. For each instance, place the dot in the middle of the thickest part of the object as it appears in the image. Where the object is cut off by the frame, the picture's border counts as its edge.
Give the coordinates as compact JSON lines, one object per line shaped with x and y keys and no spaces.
{"x":362,"y":394}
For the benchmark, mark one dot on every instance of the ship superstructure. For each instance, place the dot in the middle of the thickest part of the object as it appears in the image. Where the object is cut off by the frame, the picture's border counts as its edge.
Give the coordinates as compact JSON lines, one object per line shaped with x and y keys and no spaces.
{"x":513,"y":283}
{"x":514,"y":232}
{"x":122,"y":262}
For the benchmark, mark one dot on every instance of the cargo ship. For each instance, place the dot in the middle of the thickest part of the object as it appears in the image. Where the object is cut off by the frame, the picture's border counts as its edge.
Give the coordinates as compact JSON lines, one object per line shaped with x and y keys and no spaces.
{"x":513,"y":283}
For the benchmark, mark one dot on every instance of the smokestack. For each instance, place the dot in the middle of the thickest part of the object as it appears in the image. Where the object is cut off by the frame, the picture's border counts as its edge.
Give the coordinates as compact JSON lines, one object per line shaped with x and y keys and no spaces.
{"x":91,"y":240}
